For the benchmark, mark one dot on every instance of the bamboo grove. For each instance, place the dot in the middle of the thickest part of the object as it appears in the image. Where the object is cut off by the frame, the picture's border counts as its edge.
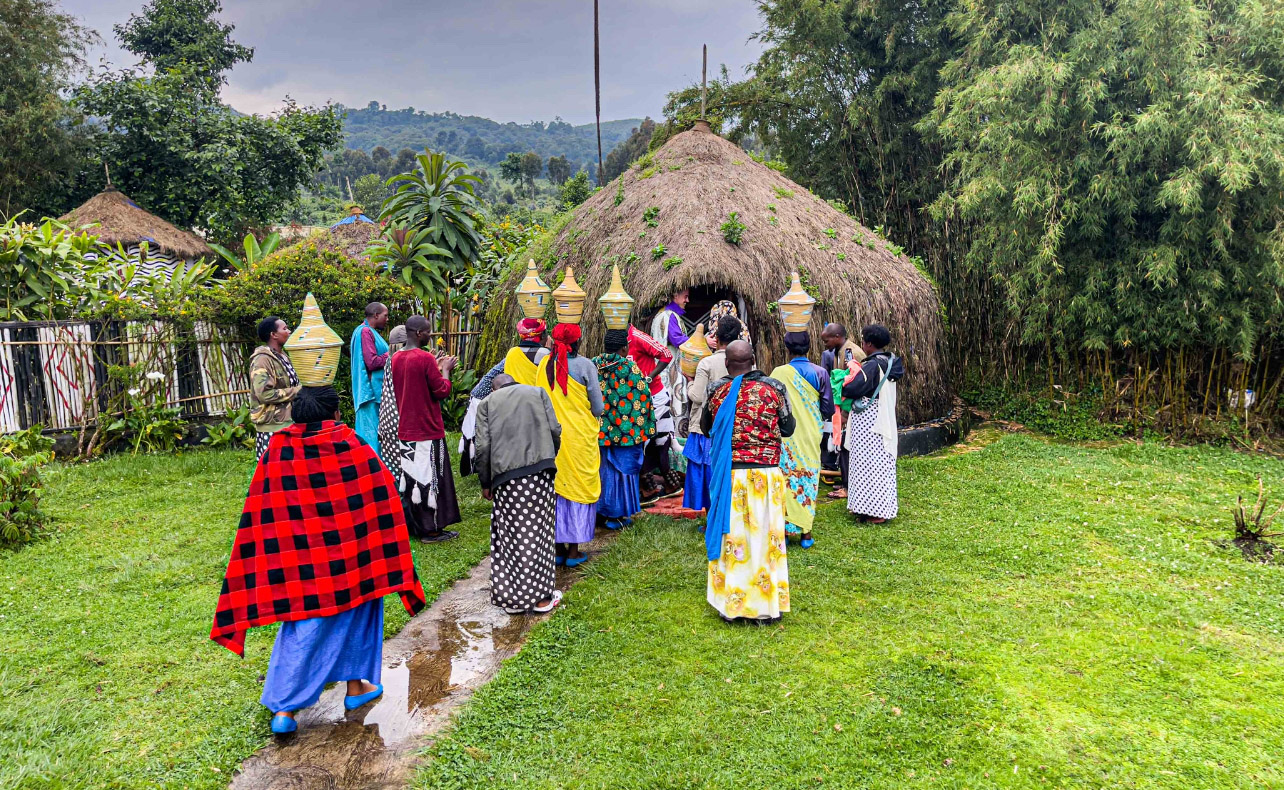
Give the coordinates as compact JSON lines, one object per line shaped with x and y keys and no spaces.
{"x":1097,"y":188}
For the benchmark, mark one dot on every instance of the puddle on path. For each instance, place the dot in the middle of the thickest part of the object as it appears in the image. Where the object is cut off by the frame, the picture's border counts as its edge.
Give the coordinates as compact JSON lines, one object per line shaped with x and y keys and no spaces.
{"x":429,"y":670}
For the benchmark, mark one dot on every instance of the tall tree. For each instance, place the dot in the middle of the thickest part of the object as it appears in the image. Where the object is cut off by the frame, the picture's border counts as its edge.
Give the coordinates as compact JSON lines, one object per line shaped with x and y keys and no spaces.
{"x":559,"y":169}
{"x":41,"y":140}
{"x":177,"y":150}
{"x":625,"y":153}
{"x":1122,"y":168}
{"x":184,"y":35}
{"x":532,"y":166}
{"x":511,"y":167}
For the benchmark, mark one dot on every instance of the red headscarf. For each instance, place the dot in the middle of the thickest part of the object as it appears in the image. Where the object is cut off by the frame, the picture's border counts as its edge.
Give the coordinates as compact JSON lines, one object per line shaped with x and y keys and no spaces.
{"x":531,"y":328}
{"x":563,"y":336}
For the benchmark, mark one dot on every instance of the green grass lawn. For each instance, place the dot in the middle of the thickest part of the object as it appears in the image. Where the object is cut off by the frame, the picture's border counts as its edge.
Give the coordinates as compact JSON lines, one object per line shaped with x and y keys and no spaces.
{"x":107,"y":675}
{"x":1040,"y":615}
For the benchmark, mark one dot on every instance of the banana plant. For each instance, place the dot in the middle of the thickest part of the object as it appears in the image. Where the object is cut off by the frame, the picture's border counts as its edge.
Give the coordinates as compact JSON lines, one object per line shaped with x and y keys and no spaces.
{"x":409,"y":255}
{"x":255,"y":251}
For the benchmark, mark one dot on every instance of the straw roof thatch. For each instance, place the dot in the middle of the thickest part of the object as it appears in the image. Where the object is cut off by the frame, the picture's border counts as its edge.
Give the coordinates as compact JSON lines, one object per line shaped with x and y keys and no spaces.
{"x":350,"y":239}
{"x":121,"y":220}
{"x":695,"y":180}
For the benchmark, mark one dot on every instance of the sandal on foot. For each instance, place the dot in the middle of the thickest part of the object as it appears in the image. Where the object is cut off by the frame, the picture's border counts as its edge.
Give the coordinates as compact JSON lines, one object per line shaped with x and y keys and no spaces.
{"x":559,"y":560}
{"x":440,"y":537}
{"x":613,"y":523}
{"x":352,"y":703}
{"x":552,"y":604}
{"x":838,"y":493}
{"x":806,"y":543}
{"x":283,"y":725}
{"x":571,"y":562}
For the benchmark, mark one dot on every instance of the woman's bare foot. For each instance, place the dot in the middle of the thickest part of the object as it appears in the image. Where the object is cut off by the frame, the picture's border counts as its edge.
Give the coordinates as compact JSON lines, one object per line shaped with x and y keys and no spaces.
{"x":838,"y":493}
{"x":289,"y":714}
{"x":358,"y":687}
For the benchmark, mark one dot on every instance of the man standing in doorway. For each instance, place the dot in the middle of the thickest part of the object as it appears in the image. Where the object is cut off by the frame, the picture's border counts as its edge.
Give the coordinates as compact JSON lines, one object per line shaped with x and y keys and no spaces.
{"x":369,"y":352}
{"x":669,"y":402}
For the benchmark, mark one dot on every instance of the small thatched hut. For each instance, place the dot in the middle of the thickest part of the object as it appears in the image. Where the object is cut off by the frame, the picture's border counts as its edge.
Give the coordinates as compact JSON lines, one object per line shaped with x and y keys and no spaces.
{"x":662,"y":221}
{"x":352,"y":234}
{"x":121,"y":224}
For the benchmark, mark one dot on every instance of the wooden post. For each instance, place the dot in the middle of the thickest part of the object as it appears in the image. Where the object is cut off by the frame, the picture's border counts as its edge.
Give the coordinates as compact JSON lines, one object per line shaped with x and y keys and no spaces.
{"x":597,"y":92}
{"x":350,"y":197}
{"x":704,"y":86}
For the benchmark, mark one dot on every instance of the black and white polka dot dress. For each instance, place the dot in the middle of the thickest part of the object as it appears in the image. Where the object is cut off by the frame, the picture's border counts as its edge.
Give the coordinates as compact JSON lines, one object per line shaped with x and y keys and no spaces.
{"x":521,"y":542}
{"x":389,"y":424}
{"x":871,"y":477}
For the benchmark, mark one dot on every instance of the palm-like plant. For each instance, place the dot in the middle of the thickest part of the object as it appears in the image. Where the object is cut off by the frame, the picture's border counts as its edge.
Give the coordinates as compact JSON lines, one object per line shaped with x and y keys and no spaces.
{"x":409,"y":254}
{"x":255,"y":251}
{"x":437,"y":197}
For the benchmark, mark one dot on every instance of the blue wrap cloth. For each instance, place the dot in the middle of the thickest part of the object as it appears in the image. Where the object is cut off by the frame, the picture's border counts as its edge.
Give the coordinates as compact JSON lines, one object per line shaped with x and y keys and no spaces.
{"x":719,"y":520}
{"x":695,"y":495}
{"x":310,"y":653}
{"x":619,"y":474}
{"x":367,"y":387}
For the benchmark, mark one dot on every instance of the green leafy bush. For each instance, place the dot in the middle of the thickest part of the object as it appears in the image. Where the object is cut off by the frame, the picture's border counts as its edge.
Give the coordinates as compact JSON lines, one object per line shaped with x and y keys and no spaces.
{"x":1075,"y":416}
{"x":236,"y":431}
{"x":455,"y":406}
{"x":278,"y":285}
{"x":22,"y":458}
{"x":733,"y":230}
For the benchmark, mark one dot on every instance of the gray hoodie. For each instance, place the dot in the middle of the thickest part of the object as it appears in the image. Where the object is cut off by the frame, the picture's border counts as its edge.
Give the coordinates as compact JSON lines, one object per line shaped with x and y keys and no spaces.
{"x":517,"y":435}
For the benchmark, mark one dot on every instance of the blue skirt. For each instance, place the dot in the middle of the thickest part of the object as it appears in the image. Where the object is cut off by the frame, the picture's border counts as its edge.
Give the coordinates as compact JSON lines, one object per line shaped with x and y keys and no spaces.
{"x":619,"y":472}
{"x":367,"y":423}
{"x":695,"y":494}
{"x":308,"y":654}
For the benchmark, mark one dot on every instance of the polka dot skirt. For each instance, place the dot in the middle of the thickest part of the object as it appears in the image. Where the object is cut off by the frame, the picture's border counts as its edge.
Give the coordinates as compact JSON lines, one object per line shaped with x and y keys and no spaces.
{"x":521,"y":542}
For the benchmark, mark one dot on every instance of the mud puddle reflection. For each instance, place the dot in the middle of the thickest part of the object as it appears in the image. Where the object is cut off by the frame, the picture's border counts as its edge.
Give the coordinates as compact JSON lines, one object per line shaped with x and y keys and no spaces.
{"x":429,"y":670}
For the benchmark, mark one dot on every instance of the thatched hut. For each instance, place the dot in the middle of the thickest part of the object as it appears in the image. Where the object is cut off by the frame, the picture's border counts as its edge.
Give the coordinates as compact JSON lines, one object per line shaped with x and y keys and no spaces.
{"x":121,"y":225}
{"x":662,"y":222}
{"x":352,"y":234}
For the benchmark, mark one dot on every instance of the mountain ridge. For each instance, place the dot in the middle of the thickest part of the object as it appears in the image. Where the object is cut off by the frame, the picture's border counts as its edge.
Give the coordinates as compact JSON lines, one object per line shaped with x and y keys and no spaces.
{"x":476,"y":138}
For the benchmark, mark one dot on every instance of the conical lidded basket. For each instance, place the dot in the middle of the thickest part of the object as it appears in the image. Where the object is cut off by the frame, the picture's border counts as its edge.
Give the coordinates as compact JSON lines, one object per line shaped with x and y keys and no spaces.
{"x":796,"y":307}
{"x":568,"y":299}
{"x":314,"y":348}
{"x":616,"y":304}
{"x":533,"y":293}
{"x":691,"y":352}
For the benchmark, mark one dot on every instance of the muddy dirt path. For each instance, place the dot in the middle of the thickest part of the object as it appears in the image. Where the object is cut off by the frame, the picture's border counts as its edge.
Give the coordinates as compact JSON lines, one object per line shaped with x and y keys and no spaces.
{"x":429,"y":669}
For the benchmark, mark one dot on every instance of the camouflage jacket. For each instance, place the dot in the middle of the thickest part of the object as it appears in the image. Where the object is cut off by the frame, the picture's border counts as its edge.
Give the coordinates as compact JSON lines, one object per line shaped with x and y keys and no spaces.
{"x":273,"y":386}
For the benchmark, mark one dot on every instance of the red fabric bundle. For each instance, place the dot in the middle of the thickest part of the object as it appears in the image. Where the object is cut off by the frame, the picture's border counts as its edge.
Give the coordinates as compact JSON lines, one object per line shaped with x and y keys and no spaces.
{"x":322,"y":532}
{"x":564,"y":336}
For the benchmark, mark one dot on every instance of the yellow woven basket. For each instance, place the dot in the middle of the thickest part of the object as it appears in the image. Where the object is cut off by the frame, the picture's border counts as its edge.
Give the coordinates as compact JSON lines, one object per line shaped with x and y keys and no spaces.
{"x":568,"y":299}
{"x":691,"y":352}
{"x":314,"y":348}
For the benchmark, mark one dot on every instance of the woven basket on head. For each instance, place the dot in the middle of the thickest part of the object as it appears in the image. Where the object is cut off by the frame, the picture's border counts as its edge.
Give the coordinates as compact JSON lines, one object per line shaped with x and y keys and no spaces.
{"x":533,"y":293}
{"x":616,"y":303}
{"x":314,"y":348}
{"x":568,"y":300}
{"x":796,"y":306}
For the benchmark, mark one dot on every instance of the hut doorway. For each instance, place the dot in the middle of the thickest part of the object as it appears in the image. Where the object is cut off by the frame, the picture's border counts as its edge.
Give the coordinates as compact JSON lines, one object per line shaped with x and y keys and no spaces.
{"x":704,"y":297}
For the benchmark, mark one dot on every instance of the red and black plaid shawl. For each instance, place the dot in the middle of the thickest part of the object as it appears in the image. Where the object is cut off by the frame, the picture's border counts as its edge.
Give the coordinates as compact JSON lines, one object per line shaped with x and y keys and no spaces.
{"x":322,"y":532}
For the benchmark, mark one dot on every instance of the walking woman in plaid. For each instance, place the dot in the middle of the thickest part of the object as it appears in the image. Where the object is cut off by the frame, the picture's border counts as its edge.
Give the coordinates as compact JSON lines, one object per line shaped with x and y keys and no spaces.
{"x":322,"y":539}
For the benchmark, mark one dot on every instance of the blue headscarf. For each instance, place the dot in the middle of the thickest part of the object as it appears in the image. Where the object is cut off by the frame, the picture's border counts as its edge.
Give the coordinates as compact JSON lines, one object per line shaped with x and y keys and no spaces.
{"x":719,"y":520}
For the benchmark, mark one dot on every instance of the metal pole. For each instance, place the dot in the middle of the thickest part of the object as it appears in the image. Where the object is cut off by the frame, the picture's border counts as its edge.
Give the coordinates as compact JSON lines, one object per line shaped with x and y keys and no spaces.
{"x":597,"y":92}
{"x":704,"y":86}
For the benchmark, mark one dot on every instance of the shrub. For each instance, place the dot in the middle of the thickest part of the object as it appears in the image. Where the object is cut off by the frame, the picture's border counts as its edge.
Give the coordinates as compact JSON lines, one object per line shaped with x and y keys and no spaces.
{"x":235,"y":431}
{"x":278,"y":284}
{"x":733,"y":230}
{"x":22,"y":458}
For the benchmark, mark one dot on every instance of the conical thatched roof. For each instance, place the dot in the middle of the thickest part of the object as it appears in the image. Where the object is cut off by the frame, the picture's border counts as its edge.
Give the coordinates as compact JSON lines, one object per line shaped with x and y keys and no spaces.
{"x":121,"y":220}
{"x":696,"y":180}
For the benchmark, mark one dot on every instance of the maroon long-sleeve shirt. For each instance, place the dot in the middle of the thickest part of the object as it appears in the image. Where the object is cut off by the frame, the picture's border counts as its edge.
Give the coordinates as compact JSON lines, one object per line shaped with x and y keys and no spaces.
{"x":420,"y":388}
{"x":373,"y":361}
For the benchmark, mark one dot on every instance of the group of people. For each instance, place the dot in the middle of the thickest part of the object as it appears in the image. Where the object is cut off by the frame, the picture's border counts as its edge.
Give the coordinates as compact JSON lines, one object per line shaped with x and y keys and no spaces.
{"x":561,"y":444}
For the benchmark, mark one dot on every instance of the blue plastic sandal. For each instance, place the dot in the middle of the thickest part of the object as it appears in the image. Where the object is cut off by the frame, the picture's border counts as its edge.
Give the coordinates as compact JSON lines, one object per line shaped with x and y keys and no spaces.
{"x":559,"y":560}
{"x":571,"y":563}
{"x":352,"y":703}
{"x":283,"y":725}
{"x":613,"y":523}
{"x":806,"y":543}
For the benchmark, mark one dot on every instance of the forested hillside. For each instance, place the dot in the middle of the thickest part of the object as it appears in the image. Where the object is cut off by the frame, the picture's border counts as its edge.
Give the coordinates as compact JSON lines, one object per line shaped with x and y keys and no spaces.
{"x":479,"y":140}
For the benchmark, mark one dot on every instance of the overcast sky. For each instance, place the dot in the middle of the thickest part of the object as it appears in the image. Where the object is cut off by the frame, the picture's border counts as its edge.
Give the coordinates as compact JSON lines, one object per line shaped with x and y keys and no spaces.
{"x":502,"y":59}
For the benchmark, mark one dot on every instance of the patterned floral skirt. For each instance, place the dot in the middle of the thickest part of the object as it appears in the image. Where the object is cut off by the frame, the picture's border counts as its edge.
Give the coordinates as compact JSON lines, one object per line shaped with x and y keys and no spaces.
{"x":751,"y":578}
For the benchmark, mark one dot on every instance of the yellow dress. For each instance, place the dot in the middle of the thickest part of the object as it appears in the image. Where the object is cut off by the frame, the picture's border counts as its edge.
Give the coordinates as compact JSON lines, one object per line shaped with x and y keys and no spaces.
{"x":751,"y":577}
{"x":578,"y":459}
{"x":519,"y":366}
